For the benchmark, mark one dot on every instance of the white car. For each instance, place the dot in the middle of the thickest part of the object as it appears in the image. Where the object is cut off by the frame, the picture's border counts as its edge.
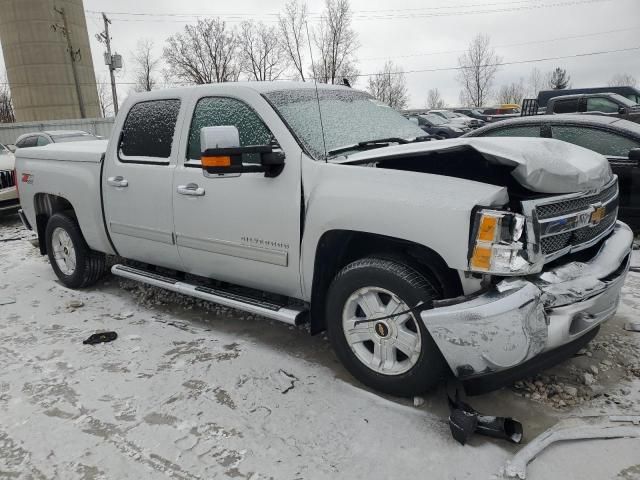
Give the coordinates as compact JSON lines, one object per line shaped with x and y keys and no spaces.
{"x":481,"y":258}
{"x":8,"y":193}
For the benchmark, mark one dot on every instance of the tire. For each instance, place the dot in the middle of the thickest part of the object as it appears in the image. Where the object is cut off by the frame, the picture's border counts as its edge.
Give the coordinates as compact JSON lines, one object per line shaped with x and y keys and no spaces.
{"x":83,"y":267}
{"x":407,"y":371}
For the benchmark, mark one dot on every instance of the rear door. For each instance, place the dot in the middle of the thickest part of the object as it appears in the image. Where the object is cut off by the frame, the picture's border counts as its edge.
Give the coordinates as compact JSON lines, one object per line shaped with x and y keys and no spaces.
{"x":136,"y":183}
{"x":240,"y":229}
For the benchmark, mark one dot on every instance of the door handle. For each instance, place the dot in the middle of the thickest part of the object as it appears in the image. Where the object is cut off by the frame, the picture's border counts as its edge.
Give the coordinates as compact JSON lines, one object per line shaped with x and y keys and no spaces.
{"x":191,"y":189}
{"x":117,"y":181}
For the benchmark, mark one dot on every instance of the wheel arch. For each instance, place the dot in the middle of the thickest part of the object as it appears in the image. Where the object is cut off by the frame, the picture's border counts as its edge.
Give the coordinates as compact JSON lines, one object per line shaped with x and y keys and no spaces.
{"x":45,"y":206}
{"x":337,"y":248}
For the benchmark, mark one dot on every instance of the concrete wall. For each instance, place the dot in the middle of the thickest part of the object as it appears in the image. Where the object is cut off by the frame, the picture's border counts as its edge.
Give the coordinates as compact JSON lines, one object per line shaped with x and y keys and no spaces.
{"x":38,"y":63}
{"x":9,"y":132}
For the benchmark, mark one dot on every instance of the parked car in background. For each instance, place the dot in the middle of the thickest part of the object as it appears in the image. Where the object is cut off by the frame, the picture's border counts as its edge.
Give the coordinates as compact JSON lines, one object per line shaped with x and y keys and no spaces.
{"x":616,"y":139}
{"x":631,"y":93}
{"x":40,"y":139}
{"x":457,"y":118}
{"x":609,"y":104}
{"x":9,"y":202}
{"x":438,"y":126}
{"x":486,"y":114}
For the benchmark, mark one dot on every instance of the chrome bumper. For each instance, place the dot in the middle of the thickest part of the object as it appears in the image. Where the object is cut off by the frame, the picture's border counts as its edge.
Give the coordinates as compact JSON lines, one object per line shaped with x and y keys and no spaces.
{"x":521,"y":318}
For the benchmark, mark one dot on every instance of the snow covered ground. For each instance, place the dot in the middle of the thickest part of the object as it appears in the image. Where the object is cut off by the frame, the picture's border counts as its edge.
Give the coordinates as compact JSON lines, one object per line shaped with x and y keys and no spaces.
{"x":192,"y":391}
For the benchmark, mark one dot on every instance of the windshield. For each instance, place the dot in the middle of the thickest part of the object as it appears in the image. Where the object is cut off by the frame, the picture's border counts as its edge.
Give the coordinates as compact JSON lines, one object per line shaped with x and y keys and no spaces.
{"x":434,"y":119}
{"x":623,"y":100}
{"x":348,"y":116}
{"x":633,"y":97}
{"x":448,"y":114}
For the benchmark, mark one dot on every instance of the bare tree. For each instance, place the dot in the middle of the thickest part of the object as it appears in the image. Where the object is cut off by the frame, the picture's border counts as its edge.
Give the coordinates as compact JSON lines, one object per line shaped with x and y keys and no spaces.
{"x":435,"y":100}
{"x":535,"y":83}
{"x":337,"y":43}
{"x":514,"y":92}
{"x":145,"y":66}
{"x":204,"y":53}
{"x":105,"y":99}
{"x":558,"y":79}
{"x":7,"y":114}
{"x":292,"y":33}
{"x":623,"y":80}
{"x":478,"y":67}
{"x":263,"y":56}
{"x":389,"y":86}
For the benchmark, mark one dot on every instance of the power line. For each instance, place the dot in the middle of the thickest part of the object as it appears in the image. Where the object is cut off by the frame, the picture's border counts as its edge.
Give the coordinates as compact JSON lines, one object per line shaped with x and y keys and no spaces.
{"x":425,"y":70}
{"x":357,"y":15}
{"x":424,"y":54}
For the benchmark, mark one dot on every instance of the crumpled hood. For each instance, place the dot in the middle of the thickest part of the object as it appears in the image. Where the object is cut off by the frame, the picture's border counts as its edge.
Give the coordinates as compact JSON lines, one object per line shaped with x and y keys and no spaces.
{"x":540,"y":164}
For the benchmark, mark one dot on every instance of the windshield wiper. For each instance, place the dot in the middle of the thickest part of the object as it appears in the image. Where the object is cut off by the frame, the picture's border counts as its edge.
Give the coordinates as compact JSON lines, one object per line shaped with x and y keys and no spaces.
{"x":381,"y":142}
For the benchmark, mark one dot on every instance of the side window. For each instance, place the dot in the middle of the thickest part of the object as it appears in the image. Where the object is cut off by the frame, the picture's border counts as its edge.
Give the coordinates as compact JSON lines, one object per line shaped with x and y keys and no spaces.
{"x":27,"y":142}
{"x":42,"y":141}
{"x":601,"y":104}
{"x":223,"y":111}
{"x":524,"y":131}
{"x":601,"y":141}
{"x":148,"y":130}
{"x":566,"y":106}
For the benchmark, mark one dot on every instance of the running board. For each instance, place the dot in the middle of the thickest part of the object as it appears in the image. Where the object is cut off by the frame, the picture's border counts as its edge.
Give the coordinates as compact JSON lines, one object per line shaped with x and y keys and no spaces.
{"x":288,"y":314}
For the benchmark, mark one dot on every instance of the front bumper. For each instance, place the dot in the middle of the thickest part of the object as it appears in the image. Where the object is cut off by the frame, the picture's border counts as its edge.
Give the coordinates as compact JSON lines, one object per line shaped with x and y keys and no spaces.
{"x":519,"y":319}
{"x":9,"y":202}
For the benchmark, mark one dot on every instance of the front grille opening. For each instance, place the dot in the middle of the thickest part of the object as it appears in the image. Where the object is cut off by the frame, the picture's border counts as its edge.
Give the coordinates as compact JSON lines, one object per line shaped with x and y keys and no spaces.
{"x":7,"y":179}
{"x":576,"y":204}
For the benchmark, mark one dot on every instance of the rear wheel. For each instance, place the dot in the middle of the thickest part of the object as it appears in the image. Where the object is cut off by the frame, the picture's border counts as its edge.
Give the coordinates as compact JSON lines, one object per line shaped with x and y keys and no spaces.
{"x":375,"y":333}
{"x":75,"y":264}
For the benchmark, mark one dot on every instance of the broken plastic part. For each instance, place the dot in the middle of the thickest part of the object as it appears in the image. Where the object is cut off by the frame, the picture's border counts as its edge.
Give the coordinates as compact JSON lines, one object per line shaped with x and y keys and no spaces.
{"x":570,"y":429}
{"x":102,"y":337}
{"x":464,"y":420}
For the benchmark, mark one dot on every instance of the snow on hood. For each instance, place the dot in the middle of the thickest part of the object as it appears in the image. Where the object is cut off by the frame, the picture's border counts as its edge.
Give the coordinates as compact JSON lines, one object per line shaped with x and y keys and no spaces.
{"x":540,"y":164}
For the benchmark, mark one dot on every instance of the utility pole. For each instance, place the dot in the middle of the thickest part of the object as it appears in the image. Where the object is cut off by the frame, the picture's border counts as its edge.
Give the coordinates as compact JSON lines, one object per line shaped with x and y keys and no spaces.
{"x":73,"y":54}
{"x":110,"y":60}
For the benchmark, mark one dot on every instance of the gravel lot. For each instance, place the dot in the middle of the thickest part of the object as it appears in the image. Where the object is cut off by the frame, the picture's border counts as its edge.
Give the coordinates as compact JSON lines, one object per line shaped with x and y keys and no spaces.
{"x":192,"y":390}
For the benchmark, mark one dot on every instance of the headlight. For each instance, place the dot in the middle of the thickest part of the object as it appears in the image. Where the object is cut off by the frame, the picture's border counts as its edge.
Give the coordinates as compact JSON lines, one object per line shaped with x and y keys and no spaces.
{"x":495,"y":244}
{"x":456,"y":129}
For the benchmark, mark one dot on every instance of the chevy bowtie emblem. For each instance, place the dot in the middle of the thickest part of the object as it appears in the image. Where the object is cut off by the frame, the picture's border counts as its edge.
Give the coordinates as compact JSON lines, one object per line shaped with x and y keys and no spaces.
{"x":597,"y":215}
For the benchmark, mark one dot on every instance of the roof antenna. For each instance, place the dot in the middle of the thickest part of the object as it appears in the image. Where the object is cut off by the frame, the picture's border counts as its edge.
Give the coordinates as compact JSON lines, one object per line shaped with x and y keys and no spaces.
{"x":315,"y":81}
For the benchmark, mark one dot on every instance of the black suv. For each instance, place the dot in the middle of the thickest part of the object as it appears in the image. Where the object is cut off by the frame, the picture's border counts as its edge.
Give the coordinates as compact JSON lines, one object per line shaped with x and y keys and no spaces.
{"x":609,"y":104}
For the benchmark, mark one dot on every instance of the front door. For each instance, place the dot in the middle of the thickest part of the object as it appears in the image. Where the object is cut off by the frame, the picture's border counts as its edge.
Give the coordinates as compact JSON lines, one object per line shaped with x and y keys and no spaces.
{"x":137,"y":183}
{"x":240,"y":229}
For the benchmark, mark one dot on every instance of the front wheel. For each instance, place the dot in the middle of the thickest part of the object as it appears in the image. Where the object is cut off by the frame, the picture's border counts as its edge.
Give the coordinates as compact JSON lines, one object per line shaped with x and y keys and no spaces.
{"x":394,"y":354}
{"x":75,"y":264}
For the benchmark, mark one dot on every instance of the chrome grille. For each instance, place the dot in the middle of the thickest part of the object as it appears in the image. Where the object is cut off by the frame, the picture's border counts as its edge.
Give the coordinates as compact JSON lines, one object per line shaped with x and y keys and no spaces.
{"x":575,"y":204}
{"x":7,"y":179}
{"x":574,"y":223}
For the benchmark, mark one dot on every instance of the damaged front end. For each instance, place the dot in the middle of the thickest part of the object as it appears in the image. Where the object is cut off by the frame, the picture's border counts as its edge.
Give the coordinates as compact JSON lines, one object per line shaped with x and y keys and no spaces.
{"x":507,"y":326}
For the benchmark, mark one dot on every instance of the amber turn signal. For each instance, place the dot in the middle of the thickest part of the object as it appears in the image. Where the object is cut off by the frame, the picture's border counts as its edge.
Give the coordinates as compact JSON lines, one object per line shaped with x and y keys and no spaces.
{"x":224,"y":161}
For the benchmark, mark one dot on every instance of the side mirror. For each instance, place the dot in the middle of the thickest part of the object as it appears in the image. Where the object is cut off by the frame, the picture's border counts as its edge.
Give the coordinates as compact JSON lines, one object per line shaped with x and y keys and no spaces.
{"x":12,"y":148}
{"x":622,"y":110}
{"x":634,"y":155}
{"x":221,"y":154}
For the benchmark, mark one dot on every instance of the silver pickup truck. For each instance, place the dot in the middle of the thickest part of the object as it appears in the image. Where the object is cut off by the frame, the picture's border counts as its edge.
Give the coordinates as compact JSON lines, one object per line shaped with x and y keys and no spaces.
{"x":482,"y":258}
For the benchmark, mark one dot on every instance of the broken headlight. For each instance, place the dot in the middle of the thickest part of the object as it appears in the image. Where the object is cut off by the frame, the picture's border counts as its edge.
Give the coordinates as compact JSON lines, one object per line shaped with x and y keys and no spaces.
{"x":495,"y":244}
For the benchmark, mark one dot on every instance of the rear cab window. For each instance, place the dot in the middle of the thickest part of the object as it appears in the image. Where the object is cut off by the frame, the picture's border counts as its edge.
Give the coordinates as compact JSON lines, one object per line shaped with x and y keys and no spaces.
{"x":148,"y":132}
{"x":566,"y":106}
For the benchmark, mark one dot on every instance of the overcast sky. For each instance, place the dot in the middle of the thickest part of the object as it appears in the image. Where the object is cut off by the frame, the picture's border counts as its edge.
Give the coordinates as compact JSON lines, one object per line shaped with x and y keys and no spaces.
{"x":417,"y":36}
